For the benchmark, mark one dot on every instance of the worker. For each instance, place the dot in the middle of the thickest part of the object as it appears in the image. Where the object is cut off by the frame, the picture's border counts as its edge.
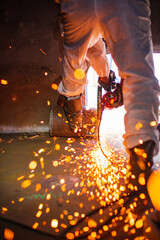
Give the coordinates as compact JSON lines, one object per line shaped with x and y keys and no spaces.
{"x":95,"y":57}
{"x":126,"y":28}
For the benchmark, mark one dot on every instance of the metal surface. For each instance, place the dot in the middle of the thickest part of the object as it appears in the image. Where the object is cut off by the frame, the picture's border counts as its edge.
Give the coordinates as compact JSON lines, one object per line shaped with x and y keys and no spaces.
{"x":99,"y":102}
{"x":58,"y":123}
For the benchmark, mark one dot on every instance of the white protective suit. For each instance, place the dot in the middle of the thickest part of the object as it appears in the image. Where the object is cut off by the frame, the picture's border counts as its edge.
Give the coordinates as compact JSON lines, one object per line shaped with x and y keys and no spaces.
{"x":125,"y":26}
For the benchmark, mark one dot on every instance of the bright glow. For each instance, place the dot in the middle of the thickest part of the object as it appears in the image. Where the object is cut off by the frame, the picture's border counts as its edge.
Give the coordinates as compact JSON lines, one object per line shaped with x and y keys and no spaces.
{"x":54,"y":223}
{"x":70,"y":236}
{"x":156,"y":59}
{"x":54,"y":86}
{"x":26,"y":183}
{"x":153,"y":188}
{"x":8,"y":234}
{"x":4,"y":82}
{"x":33,"y":165}
{"x":110,"y":116}
{"x":79,"y":74}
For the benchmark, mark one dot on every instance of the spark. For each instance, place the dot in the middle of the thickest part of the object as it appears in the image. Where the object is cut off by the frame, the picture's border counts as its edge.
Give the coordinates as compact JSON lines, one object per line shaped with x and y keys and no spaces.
{"x":42,"y":51}
{"x":31,"y":175}
{"x":38,"y":187}
{"x":54,"y":223}
{"x":48,"y":176}
{"x":62,"y":181}
{"x":57,"y":147}
{"x":4,"y":210}
{"x":138,"y":126}
{"x":98,"y":180}
{"x":40,"y":206}
{"x":153,"y":188}
{"x":48,"y":197}
{"x":92,"y":223}
{"x":70,"y":236}
{"x":4,"y":82}
{"x":26,"y":183}
{"x":41,"y":150}
{"x":38,"y":214}
{"x":18,"y":179}
{"x":54,"y":86}
{"x":79,"y":74}
{"x":32,"y":165}
{"x":139,"y":223}
{"x":21,"y":199}
{"x":35,"y":225}
{"x":140,"y":141}
{"x":147,"y":230}
{"x":153,"y":124}
{"x":47,"y":210}
{"x":55,"y":163}
{"x":42,"y":162}
{"x":8,"y":234}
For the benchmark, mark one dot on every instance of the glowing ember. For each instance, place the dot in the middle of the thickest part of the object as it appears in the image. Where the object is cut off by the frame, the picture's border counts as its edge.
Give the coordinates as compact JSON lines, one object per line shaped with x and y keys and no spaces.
{"x":70,"y":236}
{"x":54,"y":86}
{"x":138,"y":126}
{"x":21,"y":199}
{"x":4,"y":82}
{"x":79,"y":73}
{"x":48,"y":103}
{"x":26,"y":183}
{"x":42,"y":162}
{"x":48,"y":197}
{"x":92,"y":223}
{"x":153,"y":124}
{"x":68,"y":159}
{"x":153,"y":188}
{"x":40,"y":206}
{"x":38,"y":214}
{"x":42,"y":51}
{"x":57,"y":147}
{"x":114,"y":233}
{"x":41,"y":150}
{"x":55,"y":163}
{"x":54,"y":223}
{"x":4,"y":209}
{"x":20,"y":178}
{"x":139,"y":223}
{"x":48,"y":176}
{"x":140,"y":141}
{"x":62,"y":181}
{"x":38,"y":187}
{"x":33,"y":165}
{"x":8,"y":234}
{"x":35,"y":225}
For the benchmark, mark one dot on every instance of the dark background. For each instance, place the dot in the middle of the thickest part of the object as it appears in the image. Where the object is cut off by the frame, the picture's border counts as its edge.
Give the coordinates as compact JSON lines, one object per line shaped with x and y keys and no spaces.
{"x":30,"y":47}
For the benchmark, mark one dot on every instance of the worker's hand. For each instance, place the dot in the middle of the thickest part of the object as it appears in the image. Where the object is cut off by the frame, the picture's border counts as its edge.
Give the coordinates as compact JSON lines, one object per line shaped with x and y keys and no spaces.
{"x":108,"y":83}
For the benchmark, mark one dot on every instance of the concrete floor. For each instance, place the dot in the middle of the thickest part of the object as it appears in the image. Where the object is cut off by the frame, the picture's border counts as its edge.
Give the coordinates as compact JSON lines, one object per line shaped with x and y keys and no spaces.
{"x":54,"y":187}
